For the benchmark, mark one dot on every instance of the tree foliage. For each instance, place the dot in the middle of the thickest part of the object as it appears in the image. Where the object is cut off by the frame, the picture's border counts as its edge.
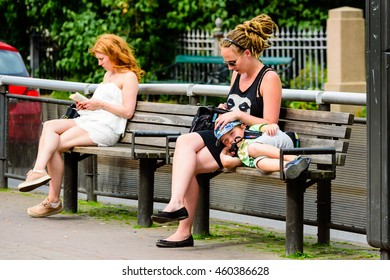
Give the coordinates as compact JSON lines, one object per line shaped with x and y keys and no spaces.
{"x":150,"y":26}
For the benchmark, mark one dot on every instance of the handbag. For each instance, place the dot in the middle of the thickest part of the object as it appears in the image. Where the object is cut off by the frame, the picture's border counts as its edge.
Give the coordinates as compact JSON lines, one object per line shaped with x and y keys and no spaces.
{"x":205,"y":117}
{"x":71,"y":112}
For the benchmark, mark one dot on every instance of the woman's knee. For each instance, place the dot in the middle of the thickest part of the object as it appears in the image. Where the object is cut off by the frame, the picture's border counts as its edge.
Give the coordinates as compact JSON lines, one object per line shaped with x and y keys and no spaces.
{"x":188,"y":140}
{"x":49,"y":125}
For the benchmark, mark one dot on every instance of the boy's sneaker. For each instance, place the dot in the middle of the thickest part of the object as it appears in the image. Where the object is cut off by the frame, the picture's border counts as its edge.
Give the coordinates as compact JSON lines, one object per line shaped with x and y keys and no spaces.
{"x":45,"y":208}
{"x":35,"y":179}
{"x":295,"y":167}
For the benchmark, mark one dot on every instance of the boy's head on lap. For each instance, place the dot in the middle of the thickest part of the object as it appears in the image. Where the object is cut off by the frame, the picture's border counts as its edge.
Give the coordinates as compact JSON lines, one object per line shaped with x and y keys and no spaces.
{"x":229,"y":134}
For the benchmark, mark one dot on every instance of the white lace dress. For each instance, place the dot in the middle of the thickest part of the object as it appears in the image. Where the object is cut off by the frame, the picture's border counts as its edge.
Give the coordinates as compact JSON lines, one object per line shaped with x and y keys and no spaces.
{"x":103,"y":127}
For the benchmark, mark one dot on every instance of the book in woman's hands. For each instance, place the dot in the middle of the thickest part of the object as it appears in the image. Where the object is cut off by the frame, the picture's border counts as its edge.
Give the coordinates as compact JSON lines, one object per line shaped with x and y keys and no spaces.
{"x":77,"y":97}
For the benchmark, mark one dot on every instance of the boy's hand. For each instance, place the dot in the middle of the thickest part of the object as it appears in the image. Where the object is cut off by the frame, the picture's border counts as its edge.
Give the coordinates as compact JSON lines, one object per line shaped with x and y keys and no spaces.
{"x":270,"y":129}
{"x":228,"y":161}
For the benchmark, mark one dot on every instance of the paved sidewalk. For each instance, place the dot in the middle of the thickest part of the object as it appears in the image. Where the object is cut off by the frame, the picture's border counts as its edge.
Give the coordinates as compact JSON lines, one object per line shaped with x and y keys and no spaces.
{"x":77,"y":237}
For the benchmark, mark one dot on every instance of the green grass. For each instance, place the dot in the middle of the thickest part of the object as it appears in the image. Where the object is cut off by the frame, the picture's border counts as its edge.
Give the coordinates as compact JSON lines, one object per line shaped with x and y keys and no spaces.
{"x":265,"y":240}
{"x":255,"y":237}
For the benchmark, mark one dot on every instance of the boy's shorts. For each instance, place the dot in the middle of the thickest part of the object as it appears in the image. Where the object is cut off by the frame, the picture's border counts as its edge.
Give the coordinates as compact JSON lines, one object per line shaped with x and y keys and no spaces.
{"x":279,"y":140}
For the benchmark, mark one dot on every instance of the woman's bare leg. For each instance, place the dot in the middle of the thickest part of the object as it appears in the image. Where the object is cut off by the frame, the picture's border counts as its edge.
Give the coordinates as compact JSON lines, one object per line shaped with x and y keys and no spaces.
{"x":57,"y":137}
{"x":190,"y":202}
{"x":191,"y":157}
{"x":204,"y":163}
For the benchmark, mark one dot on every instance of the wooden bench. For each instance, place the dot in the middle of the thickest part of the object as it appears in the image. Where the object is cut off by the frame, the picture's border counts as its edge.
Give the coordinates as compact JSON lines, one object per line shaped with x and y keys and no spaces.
{"x":323,"y":135}
{"x":203,"y":69}
{"x":146,"y":139}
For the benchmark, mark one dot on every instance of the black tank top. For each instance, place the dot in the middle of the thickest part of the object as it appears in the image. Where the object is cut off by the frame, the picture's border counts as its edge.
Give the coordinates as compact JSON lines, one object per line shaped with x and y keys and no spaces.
{"x":249,"y":101}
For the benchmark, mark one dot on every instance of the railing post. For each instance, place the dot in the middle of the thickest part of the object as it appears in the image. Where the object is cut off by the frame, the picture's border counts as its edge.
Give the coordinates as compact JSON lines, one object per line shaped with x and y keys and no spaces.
{"x":217,"y":34}
{"x":3,"y":136}
{"x":345,"y":48}
{"x":34,"y":54}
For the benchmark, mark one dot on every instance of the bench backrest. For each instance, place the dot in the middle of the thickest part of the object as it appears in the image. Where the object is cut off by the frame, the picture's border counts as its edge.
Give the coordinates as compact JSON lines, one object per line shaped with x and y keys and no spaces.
{"x":318,"y":129}
{"x":153,"y":116}
{"x":315,"y":128}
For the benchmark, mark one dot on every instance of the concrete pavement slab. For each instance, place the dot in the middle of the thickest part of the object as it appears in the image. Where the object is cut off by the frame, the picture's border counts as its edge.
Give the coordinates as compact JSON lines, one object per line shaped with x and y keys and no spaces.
{"x":79,"y":237}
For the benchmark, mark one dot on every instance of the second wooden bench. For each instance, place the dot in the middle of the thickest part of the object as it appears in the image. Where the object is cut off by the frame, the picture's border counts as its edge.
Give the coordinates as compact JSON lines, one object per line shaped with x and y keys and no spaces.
{"x":323,"y":135}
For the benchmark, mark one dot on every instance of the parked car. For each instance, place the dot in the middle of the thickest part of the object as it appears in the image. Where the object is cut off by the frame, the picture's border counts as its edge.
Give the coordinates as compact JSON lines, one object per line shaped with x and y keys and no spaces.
{"x":24,"y":117}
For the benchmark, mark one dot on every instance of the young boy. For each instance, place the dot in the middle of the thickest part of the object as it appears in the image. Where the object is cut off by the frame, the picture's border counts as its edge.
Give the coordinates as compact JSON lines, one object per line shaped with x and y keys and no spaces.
{"x":260,"y":150}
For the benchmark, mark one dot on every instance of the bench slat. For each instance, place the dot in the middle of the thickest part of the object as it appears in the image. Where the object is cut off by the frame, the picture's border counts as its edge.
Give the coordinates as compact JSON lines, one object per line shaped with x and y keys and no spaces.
{"x":161,"y":119}
{"x":317,"y":116}
{"x":340,"y":145}
{"x":172,"y":109}
{"x":330,"y":131}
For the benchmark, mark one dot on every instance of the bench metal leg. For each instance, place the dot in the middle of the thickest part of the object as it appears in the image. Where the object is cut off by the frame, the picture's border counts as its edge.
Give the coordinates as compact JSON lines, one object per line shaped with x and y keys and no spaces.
{"x":147,"y":168}
{"x":70,"y":181}
{"x":324,"y":211}
{"x":91,"y":177}
{"x":202,"y":217}
{"x":294,"y":216}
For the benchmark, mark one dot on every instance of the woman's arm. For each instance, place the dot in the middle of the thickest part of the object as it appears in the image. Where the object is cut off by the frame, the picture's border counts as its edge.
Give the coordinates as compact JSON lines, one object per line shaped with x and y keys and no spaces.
{"x":129,"y":96}
{"x":271,"y":90}
{"x":128,"y":83}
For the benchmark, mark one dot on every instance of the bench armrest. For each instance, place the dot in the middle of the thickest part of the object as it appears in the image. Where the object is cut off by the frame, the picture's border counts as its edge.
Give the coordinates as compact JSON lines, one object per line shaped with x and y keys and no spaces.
{"x":170,"y":138}
{"x":152,"y":133}
{"x":307,"y":151}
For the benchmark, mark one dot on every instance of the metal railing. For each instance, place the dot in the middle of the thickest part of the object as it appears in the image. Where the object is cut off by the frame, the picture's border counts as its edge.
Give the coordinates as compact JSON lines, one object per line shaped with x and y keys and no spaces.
{"x":191,"y":90}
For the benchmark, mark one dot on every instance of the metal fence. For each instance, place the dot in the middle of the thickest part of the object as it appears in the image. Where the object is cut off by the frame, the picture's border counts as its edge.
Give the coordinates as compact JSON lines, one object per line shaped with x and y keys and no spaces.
{"x":307,"y":47}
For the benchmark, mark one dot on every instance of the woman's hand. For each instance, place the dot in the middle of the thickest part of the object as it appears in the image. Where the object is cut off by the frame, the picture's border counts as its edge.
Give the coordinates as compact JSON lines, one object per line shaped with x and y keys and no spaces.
{"x":224,"y":119}
{"x":223,"y":106}
{"x":79,"y":106}
{"x":90,"y":104}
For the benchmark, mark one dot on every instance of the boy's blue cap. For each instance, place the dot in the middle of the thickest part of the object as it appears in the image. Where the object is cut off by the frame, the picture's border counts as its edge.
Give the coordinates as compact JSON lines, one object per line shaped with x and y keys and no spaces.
{"x":220,"y":132}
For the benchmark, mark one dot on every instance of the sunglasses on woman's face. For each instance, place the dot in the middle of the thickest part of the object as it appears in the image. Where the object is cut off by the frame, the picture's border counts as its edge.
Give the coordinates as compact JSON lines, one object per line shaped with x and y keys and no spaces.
{"x":233,"y":63}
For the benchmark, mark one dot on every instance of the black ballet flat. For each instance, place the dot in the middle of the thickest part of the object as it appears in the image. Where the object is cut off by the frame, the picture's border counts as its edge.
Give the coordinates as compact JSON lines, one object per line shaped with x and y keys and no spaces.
{"x":189,"y":242}
{"x":165,"y":217}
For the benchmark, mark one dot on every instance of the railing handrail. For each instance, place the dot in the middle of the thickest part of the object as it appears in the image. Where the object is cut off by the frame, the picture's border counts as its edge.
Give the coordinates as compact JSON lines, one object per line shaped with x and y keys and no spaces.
{"x":191,"y":90}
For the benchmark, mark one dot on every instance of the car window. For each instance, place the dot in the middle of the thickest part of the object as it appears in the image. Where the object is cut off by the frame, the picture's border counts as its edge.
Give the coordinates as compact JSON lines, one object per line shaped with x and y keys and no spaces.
{"x":11,"y":63}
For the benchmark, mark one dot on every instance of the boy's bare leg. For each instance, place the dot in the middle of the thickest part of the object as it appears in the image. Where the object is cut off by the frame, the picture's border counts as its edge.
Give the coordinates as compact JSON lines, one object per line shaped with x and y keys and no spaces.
{"x":256,"y":150}
{"x":269,"y":164}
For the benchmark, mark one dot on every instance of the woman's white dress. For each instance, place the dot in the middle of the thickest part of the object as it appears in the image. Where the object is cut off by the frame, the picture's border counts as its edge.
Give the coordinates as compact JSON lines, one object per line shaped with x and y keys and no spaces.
{"x":103,"y":127}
